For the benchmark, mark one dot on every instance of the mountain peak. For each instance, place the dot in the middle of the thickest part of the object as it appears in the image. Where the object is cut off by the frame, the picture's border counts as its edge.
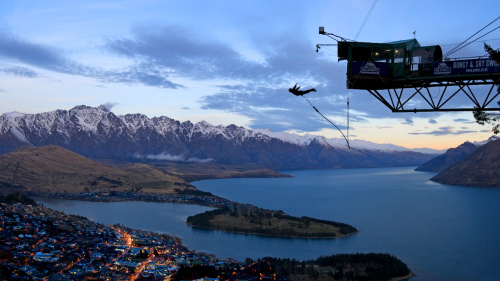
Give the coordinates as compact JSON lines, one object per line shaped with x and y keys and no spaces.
{"x":481,"y":143}
{"x":479,"y":168}
{"x":97,"y":133}
{"x":449,"y":158}
{"x":81,"y":107}
{"x":494,"y":137}
{"x":14,"y":114}
{"x":103,"y":108}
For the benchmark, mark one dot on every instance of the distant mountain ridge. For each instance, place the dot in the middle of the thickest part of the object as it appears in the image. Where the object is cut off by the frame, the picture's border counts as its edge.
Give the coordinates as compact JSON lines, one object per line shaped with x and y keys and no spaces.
{"x":452,"y":156}
{"x":480,"y":168}
{"x":97,"y":133}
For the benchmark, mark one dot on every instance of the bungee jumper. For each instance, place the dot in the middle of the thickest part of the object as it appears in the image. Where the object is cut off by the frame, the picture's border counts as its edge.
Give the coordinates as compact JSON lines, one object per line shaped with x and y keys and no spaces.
{"x":295,"y":90}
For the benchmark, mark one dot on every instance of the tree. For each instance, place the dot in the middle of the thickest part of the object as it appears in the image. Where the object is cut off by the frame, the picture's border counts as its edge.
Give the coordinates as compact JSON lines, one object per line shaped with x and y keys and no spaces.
{"x":481,"y":116}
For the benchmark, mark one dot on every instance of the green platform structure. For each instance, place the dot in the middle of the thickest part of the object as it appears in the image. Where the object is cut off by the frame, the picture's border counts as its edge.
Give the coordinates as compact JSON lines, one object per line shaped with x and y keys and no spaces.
{"x":387,"y":69}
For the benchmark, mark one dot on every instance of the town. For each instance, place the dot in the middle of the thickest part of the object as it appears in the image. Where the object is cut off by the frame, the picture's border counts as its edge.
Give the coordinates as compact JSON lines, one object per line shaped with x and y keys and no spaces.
{"x":38,"y":243}
{"x":205,"y":199}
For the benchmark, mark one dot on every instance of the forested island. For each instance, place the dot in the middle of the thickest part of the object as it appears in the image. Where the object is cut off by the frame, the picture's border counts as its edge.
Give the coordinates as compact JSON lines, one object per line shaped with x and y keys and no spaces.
{"x":253,"y":220}
{"x":359,"y":267}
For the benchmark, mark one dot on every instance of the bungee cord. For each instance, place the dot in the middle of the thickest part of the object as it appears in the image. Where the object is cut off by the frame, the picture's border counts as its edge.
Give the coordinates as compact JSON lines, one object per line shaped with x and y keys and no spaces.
{"x":346,"y":139}
{"x":297,"y":92}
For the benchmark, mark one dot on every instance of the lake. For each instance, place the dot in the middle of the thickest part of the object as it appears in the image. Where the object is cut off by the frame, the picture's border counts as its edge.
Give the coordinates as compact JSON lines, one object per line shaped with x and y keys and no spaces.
{"x":442,"y":232}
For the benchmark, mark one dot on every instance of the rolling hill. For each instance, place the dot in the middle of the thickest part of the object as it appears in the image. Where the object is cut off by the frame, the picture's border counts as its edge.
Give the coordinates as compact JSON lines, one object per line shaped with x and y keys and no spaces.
{"x":52,"y":168}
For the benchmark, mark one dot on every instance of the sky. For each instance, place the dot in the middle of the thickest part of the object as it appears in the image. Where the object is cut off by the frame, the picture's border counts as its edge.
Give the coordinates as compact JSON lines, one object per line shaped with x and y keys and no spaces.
{"x":231,"y":62}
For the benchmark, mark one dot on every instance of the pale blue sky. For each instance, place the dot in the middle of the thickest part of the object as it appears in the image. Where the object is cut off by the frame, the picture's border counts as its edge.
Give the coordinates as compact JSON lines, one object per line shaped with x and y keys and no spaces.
{"x":227,"y":61}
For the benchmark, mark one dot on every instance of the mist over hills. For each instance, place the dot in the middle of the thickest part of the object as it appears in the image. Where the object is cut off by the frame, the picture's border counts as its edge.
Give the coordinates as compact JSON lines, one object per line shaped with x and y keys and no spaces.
{"x":97,"y":133}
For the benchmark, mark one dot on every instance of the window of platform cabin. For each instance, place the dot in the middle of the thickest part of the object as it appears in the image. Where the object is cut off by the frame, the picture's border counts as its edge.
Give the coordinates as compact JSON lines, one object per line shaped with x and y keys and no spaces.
{"x":382,"y":55}
{"x":361,"y":54}
{"x":399,"y":55}
{"x":421,"y":56}
{"x":415,"y":61}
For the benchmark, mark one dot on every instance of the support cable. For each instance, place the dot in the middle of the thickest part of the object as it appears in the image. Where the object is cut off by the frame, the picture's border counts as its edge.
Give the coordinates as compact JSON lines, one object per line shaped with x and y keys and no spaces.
{"x":474,"y":40}
{"x":453,"y":50}
{"x":348,"y":118}
{"x":366,"y":18}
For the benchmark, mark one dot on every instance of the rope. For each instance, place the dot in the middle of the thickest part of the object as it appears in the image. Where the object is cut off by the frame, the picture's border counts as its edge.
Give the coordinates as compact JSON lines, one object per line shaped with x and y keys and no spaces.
{"x":366,"y":18}
{"x":346,"y":140}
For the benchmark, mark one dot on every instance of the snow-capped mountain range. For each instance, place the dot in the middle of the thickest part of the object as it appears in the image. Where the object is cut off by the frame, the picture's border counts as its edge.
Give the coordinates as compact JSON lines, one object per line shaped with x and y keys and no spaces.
{"x":97,"y":133}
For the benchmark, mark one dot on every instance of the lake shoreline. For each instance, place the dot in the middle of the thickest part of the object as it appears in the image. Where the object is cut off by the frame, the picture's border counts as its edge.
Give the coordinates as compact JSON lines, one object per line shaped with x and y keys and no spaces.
{"x":265,"y":235}
{"x":200,"y":200}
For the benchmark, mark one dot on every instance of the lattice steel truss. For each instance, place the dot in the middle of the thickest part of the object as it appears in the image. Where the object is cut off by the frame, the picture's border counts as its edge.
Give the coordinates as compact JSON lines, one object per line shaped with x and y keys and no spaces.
{"x":396,"y":103}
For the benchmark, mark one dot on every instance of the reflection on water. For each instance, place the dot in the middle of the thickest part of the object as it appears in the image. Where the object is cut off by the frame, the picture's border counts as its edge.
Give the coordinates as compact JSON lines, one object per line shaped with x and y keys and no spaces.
{"x":442,"y":232}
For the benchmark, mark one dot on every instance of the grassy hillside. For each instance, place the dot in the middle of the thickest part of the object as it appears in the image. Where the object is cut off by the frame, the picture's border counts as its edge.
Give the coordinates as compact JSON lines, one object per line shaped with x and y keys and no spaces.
{"x":53,"y":168}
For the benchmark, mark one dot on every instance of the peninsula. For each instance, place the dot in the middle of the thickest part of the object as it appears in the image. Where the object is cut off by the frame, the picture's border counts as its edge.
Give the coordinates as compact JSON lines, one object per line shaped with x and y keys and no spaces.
{"x":52,"y":171}
{"x":252,"y":220}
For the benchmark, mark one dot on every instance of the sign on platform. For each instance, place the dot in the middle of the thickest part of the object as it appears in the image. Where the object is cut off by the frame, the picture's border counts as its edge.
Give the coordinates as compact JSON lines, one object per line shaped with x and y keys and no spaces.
{"x":461,"y":67}
{"x":369,"y":68}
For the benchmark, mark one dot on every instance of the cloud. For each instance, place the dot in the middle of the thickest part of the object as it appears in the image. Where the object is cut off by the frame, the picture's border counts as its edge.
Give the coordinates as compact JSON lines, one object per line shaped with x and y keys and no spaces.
{"x":463,"y":120}
{"x":161,"y":54}
{"x":167,"y":157}
{"x":110,"y":105}
{"x":145,"y":73}
{"x":185,"y":108}
{"x":408,"y":121}
{"x":485,"y":131}
{"x":20,"y":71}
{"x":432,"y":121}
{"x":175,"y":158}
{"x":14,"y":47}
{"x":198,"y":160}
{"x":256,"y":89}
{"x":264,"y":105}
{"x":55,"y":59}
{"x":448,"y":130}
{"x":174,"y":48}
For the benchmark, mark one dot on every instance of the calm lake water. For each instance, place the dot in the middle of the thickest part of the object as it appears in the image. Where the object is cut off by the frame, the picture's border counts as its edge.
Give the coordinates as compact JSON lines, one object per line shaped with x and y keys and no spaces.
{"x":442,"y":232}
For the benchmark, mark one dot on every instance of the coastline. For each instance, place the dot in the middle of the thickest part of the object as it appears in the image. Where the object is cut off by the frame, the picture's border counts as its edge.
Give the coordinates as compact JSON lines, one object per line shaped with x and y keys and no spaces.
{"x":403,"y":278}
{"x":112,"y":200}
{"x":120,"y":247}
{"x":268,"y":235}
{"x":193,"y":249}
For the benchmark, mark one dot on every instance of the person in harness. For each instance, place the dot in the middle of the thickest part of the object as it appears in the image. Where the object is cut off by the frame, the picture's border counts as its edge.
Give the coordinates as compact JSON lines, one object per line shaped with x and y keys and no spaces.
{"x":295,"y":90}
